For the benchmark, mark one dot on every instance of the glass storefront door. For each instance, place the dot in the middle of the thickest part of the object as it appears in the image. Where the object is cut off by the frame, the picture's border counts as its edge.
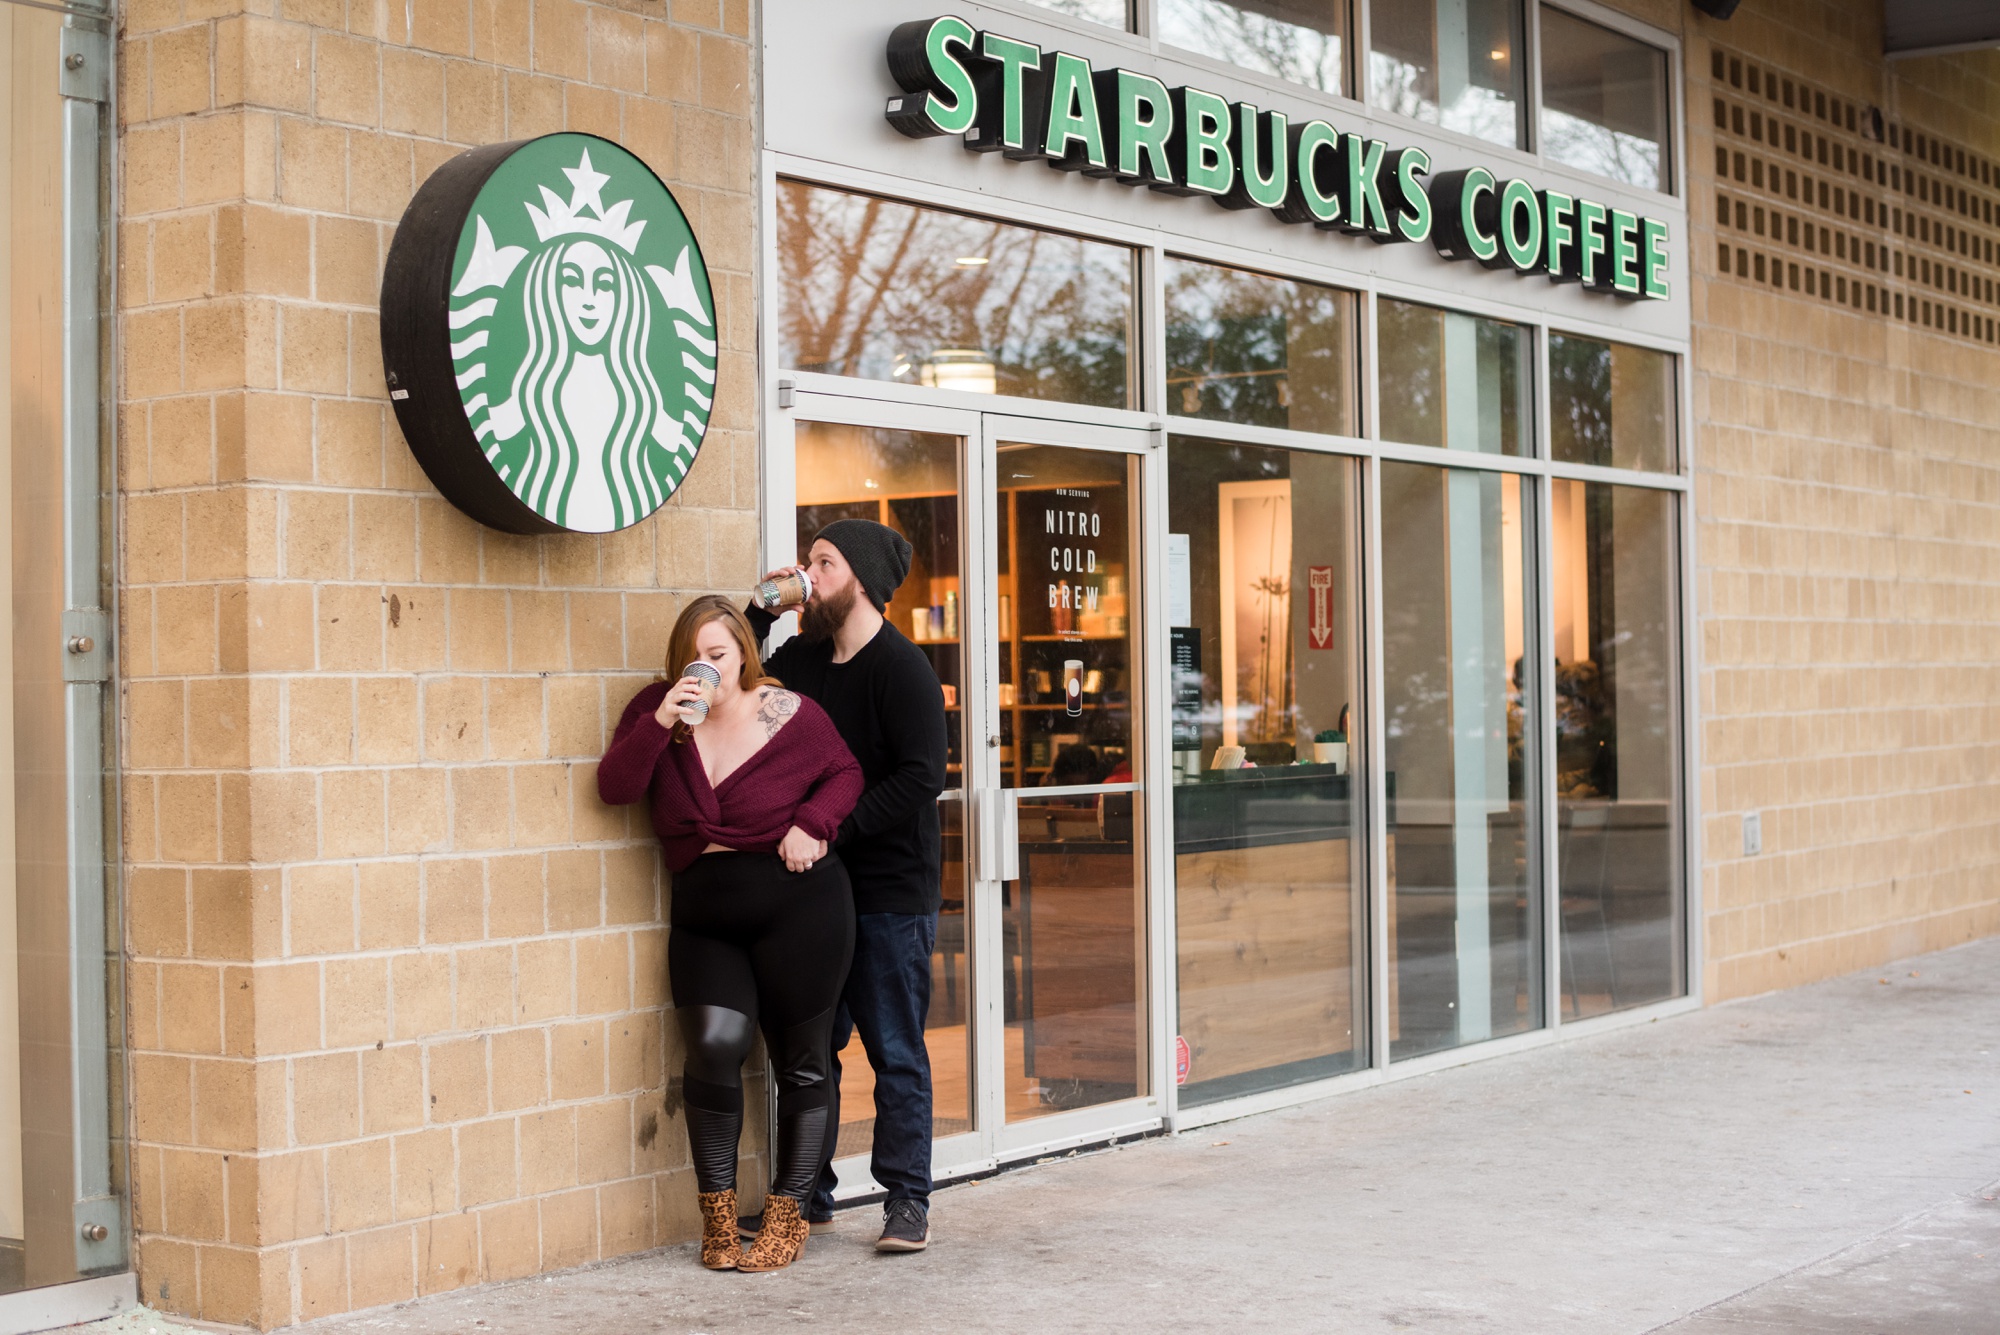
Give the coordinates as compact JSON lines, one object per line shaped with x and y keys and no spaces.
{"x":911,"y":479}
{"x":1023,"y":594}
{"x":1067,"y":694}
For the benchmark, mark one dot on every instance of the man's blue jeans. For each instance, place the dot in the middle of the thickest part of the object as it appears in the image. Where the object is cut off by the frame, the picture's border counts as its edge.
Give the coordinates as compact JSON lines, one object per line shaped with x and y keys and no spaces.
{"x":888,"y":995}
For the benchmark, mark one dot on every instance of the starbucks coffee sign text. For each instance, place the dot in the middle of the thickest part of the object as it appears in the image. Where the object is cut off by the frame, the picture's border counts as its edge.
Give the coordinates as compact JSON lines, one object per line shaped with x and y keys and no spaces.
{"x":1002,"y":95}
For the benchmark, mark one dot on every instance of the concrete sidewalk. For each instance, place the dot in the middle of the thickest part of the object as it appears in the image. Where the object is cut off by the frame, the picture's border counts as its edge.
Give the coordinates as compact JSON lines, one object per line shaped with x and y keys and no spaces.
{"x":1822,"y":1160}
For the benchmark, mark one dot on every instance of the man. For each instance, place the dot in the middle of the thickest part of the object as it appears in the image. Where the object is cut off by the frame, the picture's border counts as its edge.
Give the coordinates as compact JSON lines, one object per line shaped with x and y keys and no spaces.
{"x":883,"y":696}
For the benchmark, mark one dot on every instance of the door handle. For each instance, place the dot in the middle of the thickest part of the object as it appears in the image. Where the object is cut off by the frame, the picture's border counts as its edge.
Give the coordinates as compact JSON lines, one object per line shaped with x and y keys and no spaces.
{"x":1009,"y":828}
{"x":989,"y":835}
{"x":999,"y":836}
{"x":1010,"y":836}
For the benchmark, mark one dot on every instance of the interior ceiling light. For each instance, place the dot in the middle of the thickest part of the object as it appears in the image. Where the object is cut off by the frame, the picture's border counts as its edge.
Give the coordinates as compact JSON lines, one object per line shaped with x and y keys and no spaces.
{"x":1497,"y":54}
{"x":970,"y":261}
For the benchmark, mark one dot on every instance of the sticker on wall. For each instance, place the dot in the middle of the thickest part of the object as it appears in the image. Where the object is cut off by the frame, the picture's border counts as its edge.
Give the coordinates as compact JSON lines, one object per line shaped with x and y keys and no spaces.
{"x":1319,"y":625}
{"x":548,"y":335}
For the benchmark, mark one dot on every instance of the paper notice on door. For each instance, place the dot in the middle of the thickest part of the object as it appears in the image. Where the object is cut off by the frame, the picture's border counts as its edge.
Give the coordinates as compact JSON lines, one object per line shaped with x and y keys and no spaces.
{"x":1180,"y":581}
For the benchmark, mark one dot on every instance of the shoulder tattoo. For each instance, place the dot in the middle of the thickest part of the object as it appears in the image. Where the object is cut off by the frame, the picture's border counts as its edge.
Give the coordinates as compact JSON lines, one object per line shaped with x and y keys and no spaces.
{"x":774,"y":706}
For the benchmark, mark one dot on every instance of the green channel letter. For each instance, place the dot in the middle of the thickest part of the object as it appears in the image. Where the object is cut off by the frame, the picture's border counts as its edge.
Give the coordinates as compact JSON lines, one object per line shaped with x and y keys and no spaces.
{"x":1625,"y":254}
{"x":1263,"y":160}
{"x":1591,"y":244}
{"x":938,"y":93}
{"x":1315,"y":194}
{"x":1140,"y":116}
{"x":1409,"y":202}
{"x":1463,"y":230}
{"x":1198,"y":148}
{"x":1009,"y":79}
{"x":1521,"y":226}
{"x":1073,"y":139}
{"x":1361,"y":185}
{"x":1653,"y":249}
{"x":1559,"y":221}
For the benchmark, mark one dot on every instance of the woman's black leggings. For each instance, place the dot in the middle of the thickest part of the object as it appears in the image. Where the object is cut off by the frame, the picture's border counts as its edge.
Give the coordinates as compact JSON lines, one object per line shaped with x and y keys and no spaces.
{"x":753,"y":943}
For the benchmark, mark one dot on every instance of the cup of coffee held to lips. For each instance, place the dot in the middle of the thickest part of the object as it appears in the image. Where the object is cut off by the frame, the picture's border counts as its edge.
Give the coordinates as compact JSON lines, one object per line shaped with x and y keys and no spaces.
{"x":696,"y":710}
{"x":787,"y":589}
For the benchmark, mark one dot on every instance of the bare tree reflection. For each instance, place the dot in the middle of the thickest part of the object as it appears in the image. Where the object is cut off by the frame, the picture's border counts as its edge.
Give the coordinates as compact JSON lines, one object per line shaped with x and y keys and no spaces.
{"x":1300,"y":40}
{"x":887,"y":291}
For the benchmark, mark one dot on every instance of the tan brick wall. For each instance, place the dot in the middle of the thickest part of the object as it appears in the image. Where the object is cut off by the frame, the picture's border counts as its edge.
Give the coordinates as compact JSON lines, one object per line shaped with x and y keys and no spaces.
{"x":1848,"y":498}
{"x":396,"y":977}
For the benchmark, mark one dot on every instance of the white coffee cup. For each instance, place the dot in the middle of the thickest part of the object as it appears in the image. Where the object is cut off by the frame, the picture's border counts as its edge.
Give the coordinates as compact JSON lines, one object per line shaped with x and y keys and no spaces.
{"x":711,"y":681}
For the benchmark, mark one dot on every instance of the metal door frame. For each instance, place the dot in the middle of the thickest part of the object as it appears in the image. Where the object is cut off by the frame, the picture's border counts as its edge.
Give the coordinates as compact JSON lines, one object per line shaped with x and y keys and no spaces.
{"x":992,"y":1141}
{"x":72,"y":1067}
{"x":970,"y":1152}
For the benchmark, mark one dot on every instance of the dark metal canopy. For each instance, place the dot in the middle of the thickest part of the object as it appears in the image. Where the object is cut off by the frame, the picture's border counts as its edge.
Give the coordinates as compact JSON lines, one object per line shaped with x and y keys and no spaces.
{"x":1934,"y":27}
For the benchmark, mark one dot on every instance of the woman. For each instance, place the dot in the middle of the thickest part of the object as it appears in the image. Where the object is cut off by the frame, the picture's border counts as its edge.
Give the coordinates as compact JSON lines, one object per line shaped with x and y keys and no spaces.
{"x":763,"y":918}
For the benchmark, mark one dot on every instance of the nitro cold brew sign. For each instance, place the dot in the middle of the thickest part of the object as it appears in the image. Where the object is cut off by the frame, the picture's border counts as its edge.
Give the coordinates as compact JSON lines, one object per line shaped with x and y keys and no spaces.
{"x":548,"y":335}
{"x":1006,"y":96}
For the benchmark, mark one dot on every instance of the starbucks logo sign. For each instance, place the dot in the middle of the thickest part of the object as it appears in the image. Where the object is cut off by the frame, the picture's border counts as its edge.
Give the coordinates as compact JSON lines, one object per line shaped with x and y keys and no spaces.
{"x":548,"y":335}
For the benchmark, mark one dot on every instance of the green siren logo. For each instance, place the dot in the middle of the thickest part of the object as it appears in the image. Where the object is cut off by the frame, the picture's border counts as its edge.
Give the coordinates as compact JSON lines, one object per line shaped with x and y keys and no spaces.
{"x":549,"y":335}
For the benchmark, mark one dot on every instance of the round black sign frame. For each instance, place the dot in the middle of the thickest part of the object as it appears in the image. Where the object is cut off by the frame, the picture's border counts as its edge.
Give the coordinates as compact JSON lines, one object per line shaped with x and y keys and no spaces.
{"x":427,"y":376}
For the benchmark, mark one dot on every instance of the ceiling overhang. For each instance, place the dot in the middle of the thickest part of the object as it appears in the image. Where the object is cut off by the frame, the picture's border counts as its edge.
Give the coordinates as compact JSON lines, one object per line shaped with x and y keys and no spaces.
{"x":1938,"y":27}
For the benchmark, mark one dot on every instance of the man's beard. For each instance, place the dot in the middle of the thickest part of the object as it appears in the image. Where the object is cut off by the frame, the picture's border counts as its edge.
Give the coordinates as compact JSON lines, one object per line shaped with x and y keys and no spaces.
{"x":821,"y":617}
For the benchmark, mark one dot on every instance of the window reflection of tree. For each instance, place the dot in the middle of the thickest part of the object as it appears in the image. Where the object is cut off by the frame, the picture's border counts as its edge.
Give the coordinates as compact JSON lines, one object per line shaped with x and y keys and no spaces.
{"x":1603,"y":100}
{"x":1580,"y":396}
{"x":1412,"y":355}
{"x":1244,"y":347}
{"x":1109,"y":12}
{"x":1578,"y":143}
{"x":1408,"y":74}
{"x":1586,"y":689}
{"x":873,"y":288}
{"x":1304,"y":48}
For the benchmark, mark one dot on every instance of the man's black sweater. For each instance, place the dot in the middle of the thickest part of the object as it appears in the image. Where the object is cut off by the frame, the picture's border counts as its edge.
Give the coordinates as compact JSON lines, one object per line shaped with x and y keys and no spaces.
{"x":886,"y":704}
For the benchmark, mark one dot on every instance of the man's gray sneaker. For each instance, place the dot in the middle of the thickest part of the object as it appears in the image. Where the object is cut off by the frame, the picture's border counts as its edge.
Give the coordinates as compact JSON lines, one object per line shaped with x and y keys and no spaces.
{"x":906,"y":1227}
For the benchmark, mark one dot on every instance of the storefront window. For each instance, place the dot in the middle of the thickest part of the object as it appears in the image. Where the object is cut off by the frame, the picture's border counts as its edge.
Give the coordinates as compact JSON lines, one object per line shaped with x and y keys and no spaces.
{"x":1617,"y":795}
{"x":1610,"y":404}
{"x":1464,"y":920}
{"x":1301,"y":40}
{"x":1243,"y":347}
{"x":1264,"y":615}
{"x":909,"y":480}
{"x":1453,"y":381}
{"x":883,"y":290}
{"x":1114,"y":13}
{"x":1454,"y":63}
{"x":1604,"y":101}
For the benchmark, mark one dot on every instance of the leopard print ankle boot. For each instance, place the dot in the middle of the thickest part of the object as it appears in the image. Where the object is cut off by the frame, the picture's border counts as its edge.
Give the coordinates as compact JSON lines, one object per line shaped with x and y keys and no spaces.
{"x":781,"y":1239}
{"x":719,"y":1248}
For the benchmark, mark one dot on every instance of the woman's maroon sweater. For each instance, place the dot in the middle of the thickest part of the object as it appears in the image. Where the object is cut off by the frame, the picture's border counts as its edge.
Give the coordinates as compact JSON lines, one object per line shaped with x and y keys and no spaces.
{"x":802,"y":776}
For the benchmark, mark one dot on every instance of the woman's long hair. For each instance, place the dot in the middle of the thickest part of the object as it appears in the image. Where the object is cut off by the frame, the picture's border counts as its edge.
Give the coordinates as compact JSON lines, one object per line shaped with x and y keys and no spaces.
{"x":703,"y":610}
{"x":549,"y":473}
